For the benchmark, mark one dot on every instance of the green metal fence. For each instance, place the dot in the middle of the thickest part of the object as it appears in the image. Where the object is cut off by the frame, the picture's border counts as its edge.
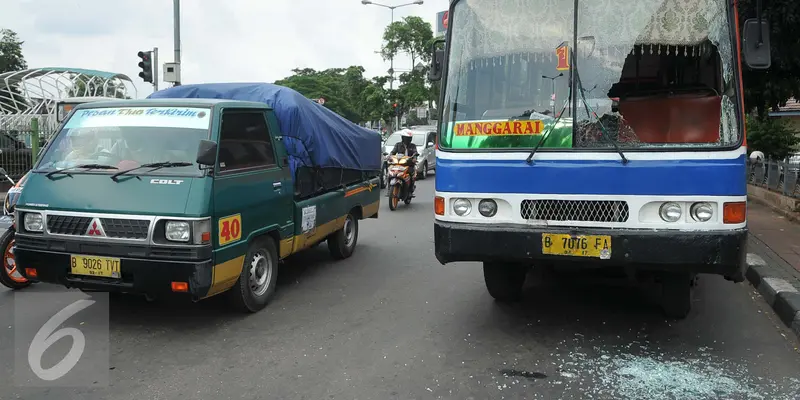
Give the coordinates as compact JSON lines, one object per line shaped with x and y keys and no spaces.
{"x":19,"y":146}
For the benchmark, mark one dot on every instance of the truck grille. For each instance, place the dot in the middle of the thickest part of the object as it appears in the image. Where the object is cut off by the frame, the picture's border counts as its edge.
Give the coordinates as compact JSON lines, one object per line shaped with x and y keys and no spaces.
{"x":575,"y":210}
{"x":125,"y":228}
{"x":113,"y":227}
{"x":67,"y":224}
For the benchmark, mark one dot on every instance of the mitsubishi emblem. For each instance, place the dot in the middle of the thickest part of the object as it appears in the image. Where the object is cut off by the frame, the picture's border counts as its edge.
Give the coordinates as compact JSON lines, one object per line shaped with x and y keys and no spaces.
{"x":95,"y":229}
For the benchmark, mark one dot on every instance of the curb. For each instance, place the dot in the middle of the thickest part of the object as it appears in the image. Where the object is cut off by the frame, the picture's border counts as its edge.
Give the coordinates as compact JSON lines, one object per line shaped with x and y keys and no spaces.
{"x":778,"y":293}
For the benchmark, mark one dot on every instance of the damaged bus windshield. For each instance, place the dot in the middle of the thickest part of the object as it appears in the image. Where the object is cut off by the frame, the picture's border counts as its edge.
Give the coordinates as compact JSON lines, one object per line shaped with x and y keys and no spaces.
{"x":650,"y":74}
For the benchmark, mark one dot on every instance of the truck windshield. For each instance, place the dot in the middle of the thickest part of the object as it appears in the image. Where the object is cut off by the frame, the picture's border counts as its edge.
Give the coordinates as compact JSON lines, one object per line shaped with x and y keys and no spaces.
{"x":127,"y":137}
{"x":650,"y":73}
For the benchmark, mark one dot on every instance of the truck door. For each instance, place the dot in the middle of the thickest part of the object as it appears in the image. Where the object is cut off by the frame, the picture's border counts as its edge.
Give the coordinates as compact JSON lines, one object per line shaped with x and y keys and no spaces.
{"x":250,"y":188}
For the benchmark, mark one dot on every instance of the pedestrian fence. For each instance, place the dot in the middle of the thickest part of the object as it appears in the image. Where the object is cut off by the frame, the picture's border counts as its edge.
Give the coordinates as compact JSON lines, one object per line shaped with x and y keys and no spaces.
{"x":20,"y":143}
{"x":777,"y":176}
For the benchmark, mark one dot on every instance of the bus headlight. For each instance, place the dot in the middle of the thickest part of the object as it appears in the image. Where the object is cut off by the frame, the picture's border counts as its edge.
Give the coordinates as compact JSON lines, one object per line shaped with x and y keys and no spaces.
{"x":701,"y":212}
{"x":487,"y":207}
{"x":33,"y":222}
{"x":670,"y":212}
{"x":462,"y":207}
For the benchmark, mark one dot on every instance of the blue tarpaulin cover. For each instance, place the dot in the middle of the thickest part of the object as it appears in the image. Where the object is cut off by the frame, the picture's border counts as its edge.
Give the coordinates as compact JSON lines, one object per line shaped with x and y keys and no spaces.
{"x":327,"y":139}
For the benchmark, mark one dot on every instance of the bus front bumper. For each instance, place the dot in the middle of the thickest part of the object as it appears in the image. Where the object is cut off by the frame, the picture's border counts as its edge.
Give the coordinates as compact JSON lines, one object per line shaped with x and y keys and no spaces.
{"x":718,"y":252}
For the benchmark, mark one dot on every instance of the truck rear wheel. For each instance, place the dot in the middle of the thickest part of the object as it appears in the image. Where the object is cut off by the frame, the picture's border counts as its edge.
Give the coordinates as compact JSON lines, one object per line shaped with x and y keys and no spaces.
{"x":676,"y":294}
{"x":259,"y":277}
{"x":343,"y":242}
{"x":505,"y":281}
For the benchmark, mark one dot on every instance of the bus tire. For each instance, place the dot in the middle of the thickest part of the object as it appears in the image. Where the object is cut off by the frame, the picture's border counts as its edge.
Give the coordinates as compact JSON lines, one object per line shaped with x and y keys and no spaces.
{"x":342,"y":243}
{"x":676,"y":294}
{"x":504,"y":281}
{"x":259,"y":277}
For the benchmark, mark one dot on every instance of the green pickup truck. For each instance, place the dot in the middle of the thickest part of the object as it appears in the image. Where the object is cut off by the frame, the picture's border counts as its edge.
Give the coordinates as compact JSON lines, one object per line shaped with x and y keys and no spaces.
{"x":186,"y":195}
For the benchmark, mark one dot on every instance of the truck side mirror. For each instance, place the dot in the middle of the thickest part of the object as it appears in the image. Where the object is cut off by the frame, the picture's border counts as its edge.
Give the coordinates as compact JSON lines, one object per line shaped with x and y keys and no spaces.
{"x":756,"y":44}
{"x":437,"y":62}
{"x":207,"y":153}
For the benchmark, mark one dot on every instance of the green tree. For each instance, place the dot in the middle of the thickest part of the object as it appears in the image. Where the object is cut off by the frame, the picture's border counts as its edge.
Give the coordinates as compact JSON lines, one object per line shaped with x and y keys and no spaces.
{"x":328,"y":84}
{"x":772,"y":136}
{"x":84,"y":86}
{"x":769,"y":89}
{"x":414,"y":37}
{"x":11,"y":59}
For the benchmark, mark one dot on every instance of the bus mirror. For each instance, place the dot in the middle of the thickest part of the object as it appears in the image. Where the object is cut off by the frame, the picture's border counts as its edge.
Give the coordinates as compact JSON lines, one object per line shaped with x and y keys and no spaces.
{"x":756,"y":44}
{"x":437,"y":62}
{"x":207,"y":153}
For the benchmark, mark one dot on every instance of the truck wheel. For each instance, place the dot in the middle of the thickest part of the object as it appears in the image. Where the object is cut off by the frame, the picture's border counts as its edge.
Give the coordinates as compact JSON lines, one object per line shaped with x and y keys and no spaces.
{"x":676,"y":294}
{"x":10,"y":276}
{"x":504,"y":281}
{"x":343,"y":242}
{"x":423,"y":172}
{"x":256,"y":284}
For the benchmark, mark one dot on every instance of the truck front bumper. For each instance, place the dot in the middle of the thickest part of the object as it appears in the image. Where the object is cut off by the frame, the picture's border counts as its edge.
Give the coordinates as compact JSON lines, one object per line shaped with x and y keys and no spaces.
{"x":719,"y":253}
{"x":138,"y":275}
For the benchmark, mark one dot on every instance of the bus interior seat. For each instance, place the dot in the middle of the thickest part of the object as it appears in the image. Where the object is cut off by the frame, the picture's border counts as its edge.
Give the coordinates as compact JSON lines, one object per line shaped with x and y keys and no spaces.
{"x":689,"y":118}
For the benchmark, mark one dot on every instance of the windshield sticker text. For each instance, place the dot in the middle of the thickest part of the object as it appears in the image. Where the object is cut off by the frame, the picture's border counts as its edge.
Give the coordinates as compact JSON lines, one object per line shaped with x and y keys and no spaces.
{"x":499,"y":128}
{"x":173,"y":117}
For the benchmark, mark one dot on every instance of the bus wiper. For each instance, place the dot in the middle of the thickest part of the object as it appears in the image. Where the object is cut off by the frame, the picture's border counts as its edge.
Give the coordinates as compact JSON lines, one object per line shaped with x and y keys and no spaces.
{"x":85,"y":166}
{"x":154,"y":166}
{"x":547,"y":134}
{"x":603,"y":131}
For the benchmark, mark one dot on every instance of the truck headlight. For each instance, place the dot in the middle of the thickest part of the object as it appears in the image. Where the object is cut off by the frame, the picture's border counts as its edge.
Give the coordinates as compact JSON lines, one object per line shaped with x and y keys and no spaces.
{"x":670,"y":212}
{"x":177,"y":231}
{"x":462,"y":207}
{"x":701,"y":212}
{"x":33,"y":222}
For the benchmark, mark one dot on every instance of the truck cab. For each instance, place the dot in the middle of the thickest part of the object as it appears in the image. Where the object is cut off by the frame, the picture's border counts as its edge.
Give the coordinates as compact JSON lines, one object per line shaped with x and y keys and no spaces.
{"x":175,"y":196}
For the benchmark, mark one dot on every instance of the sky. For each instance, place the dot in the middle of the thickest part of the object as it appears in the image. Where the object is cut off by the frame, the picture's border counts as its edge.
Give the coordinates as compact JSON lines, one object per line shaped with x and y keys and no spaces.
{"x":221,"y":41}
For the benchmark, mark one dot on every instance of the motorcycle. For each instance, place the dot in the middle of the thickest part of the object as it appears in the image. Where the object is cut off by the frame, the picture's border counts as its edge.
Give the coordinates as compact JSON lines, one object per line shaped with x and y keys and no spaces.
{"x":400,"y":185}
{"x":10,"y":276}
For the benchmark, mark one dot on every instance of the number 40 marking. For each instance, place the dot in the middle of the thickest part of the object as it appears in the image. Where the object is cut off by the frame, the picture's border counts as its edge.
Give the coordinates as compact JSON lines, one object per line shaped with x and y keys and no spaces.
{"x":230,"y":229}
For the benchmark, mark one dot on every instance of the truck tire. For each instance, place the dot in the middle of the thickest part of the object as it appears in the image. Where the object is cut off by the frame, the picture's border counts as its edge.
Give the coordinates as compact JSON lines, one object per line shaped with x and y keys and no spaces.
{"x":342,"y":243}
{"x":676,"y":294}
{"x":9,"y":264}
{"x":505,"y":281}
{"x":259,"y":277}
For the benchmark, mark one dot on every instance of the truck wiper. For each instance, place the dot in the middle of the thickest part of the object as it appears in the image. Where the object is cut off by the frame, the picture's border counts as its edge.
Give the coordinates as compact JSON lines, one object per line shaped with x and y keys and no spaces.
{"x":85,"y":166}
{"x":154,"y":166}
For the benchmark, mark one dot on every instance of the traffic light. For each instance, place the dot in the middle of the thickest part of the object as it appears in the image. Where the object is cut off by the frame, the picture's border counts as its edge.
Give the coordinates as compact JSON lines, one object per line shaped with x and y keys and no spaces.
{"x":396,"y":109}
{"x":146,"y":65}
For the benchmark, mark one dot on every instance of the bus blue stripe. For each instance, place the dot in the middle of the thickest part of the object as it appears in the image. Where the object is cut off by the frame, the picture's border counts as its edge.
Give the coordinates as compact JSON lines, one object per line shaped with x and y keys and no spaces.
{"x":602,"y":177}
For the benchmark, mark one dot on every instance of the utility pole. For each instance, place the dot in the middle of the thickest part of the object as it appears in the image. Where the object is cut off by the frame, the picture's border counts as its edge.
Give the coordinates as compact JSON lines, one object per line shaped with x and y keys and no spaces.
{"x":176,"y":15}
{"x":155,"y":69}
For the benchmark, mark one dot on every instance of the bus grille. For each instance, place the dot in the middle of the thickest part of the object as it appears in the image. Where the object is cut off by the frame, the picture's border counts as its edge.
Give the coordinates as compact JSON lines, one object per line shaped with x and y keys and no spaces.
{"x":575,"y":210}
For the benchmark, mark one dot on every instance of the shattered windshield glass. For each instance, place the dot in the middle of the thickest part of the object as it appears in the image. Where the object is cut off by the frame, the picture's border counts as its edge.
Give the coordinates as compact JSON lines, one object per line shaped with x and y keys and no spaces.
{"x":650,"y":73}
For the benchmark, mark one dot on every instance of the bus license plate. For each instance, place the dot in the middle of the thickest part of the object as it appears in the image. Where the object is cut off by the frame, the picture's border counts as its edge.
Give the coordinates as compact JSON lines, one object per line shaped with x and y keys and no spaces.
{"x":577,"y":245}
{"x":95,"y":266}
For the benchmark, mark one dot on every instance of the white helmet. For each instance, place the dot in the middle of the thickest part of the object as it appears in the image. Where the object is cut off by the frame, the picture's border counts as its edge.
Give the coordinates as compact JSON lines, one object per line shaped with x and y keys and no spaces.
{"x":407,"y":134}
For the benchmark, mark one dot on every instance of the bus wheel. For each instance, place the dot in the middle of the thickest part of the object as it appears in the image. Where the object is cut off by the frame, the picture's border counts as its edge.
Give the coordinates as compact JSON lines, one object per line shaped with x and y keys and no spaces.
{"x":259,"y":276}
{"x":343,"y":242}
{"x":504,"y":281}
{"x":676,"y":294}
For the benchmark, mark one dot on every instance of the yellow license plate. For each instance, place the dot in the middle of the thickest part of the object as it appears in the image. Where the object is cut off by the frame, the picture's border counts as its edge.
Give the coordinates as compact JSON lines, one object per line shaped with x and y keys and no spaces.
{"x":95,"y":266}
{"x":577,"y":245}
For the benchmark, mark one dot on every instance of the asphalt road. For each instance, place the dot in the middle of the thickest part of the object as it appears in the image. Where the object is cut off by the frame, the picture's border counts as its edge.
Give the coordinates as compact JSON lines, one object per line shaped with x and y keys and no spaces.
{"x":391,"y":323}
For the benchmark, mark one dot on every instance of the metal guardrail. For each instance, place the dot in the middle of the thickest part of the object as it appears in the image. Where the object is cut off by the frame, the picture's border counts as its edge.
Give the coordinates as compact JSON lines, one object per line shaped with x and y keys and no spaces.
{"x":777,"y":176}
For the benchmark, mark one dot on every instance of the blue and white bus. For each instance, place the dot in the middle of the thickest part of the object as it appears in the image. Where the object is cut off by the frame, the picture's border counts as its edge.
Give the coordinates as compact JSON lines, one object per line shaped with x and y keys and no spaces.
{"x":593,"y":133}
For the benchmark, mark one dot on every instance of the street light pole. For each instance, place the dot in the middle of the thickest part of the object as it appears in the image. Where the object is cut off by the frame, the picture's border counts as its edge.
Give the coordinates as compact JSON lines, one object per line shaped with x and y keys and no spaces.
{"x":176,"y":16}
{"x":391,"y":59}
{"x":553,"y":93}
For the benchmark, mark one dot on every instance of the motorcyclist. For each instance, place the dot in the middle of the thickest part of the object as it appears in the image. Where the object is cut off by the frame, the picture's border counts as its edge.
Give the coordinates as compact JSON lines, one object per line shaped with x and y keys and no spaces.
{"x":406,"y":148}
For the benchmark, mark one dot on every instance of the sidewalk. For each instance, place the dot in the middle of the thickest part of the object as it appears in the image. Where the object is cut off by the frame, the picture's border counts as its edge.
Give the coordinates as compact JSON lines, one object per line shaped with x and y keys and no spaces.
{"x":774,"y":260}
